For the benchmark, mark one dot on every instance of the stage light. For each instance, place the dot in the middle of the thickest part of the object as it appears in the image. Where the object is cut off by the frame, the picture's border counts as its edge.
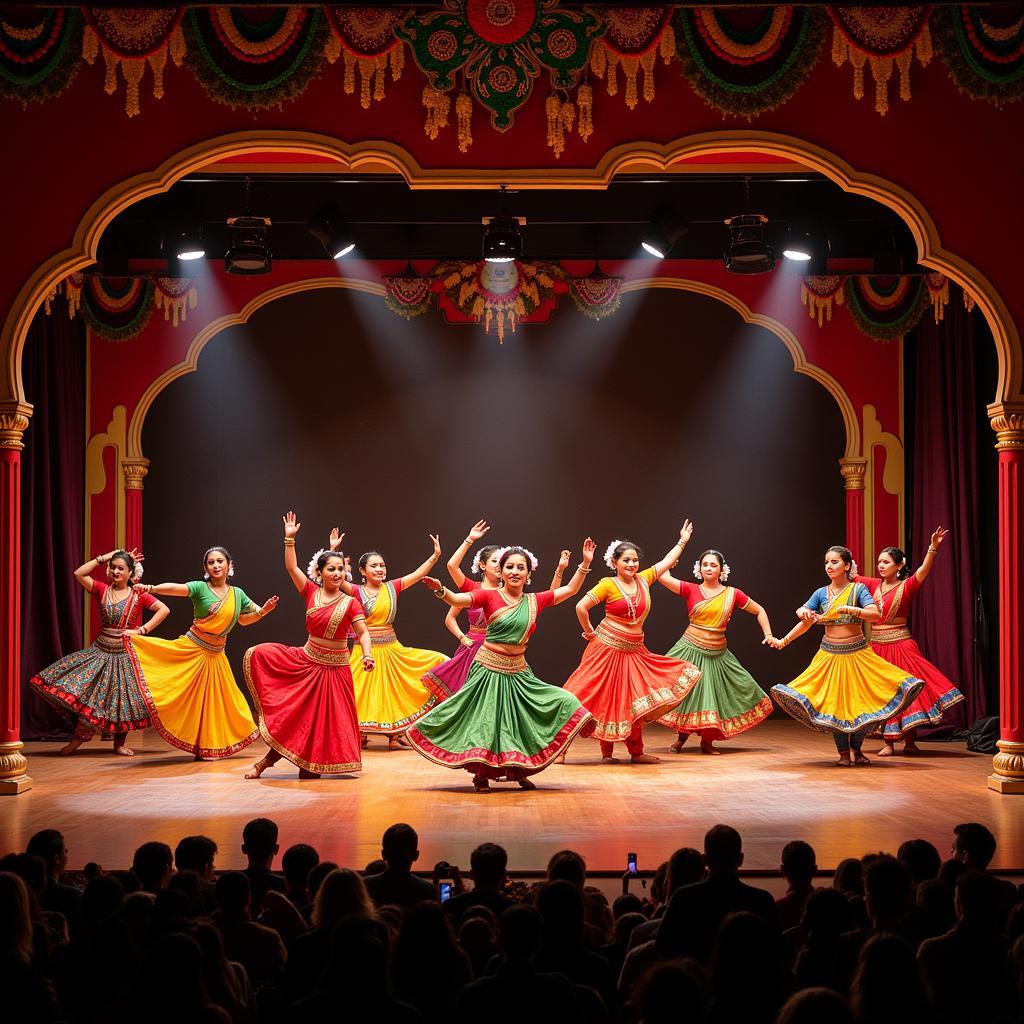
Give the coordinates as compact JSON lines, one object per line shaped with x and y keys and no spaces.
{"x":502,"y":241}
{"x":799,"y":246}
{"x":664,"y":231}
{"x":748,"y":251}
{"x":248,"y":253}
{"x":328,"y":227}
{"x":188,"y":243}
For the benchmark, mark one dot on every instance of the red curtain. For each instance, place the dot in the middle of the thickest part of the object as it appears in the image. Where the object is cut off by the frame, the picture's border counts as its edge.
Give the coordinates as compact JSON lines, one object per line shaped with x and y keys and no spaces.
{"x":948,"y":620}
{"x":52,"y":499}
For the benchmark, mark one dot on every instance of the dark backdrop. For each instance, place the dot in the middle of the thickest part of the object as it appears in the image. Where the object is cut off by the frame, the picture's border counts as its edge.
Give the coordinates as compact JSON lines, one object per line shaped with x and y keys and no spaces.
{"x":329,"y":404}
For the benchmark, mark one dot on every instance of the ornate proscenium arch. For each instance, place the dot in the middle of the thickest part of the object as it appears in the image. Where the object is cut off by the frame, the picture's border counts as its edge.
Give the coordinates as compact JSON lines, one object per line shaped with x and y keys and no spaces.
{"x":631,"y":156}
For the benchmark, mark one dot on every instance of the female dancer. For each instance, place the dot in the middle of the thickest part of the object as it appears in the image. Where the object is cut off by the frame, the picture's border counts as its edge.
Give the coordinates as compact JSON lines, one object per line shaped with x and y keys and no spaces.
{"x":305,"y":704}
{"x":448,"y":677}
{"x":193,"y":698}
{"x":395,"y":697}
{"x":619,"y":681}
{"x":97,"y":683}
{"x":505,"y":722}
{"x":894,"y":592}
{"x":726,"y":701}
{"x":846,"y":690}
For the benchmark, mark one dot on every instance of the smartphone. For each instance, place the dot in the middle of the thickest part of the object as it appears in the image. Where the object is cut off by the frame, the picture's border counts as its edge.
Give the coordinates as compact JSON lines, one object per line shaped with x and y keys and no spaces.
{"x":444,"y":890}
{"x":631,"y":863}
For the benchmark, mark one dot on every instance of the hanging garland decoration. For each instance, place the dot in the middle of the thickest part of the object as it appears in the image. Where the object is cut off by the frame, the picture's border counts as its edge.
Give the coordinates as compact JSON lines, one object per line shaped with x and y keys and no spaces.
{"x":73,"y":285}
{"x":256,"y":57}
{"x":818,"y":292}
{"x":969,"y":301}
{"x":634,"y":38}
{"x":132,"y":39}
{"x":40,"y":52}
{"x":938,"y":293}
{"x":745,"y":61}
{"x":881,"y":37}
{"x":499,"y":293}
{"x":983,"y":47}
{"x":886,"y":308}
{"x":365,"y":37}
{"x":117,"y":308}
{"x":501,"y":47}
{"x":408,"y":294}
{"x":597,"y":296}
{"x":175,"y":296}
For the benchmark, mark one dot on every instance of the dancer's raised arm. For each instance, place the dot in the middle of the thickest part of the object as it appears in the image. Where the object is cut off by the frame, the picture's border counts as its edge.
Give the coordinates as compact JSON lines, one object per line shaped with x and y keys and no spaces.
{"x":563,"y":564}
{"x":573,"y":586}
{"x":419,"y":573}
{"x":929,"y":559}
{"x":291,"y":561}
{"x":334,"y":543}
{"x":455,"y":562}
{"x":675,"y":552}
{"x":442,"y":593}
{"x":83,"y":574}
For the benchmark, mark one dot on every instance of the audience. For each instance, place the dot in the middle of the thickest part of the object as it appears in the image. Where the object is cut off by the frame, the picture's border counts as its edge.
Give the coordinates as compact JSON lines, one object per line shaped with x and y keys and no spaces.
{"x":889,"y":941}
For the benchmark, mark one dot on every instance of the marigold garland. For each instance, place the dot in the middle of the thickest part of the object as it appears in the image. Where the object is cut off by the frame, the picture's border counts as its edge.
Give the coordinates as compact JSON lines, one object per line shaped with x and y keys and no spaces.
{"x":886,"y":308}
{"x":634,"y":38}
{"x":365,"y":36}
{"x":132,"y":39}
{"x":881,"y":37}
{"x":745,"y":61}
{"x":818,"y":292}
{"x":40,"y":52}
{"x":117,"y":309}
{"x":408,"y":294}
{"x":255,"y":57}
{"x":938,"y":293}
{"x":983,"y":48}
{"x":597,"y":296}
{"x":175,"y":296}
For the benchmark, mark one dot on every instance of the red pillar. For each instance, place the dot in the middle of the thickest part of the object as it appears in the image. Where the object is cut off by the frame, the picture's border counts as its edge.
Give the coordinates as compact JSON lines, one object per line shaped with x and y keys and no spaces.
{"x":14,"y":417}
{"x":134,"y":471}
{"x":1008,"y":764}
{"x":853,"y":471}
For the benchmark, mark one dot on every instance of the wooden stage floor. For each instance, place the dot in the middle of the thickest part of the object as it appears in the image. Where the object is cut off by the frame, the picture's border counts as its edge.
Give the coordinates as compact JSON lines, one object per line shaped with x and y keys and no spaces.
{"x":773,"y":784}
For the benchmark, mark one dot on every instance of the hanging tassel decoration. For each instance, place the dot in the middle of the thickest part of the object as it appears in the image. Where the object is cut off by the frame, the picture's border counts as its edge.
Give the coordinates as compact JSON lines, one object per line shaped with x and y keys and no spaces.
{"x":585,"y":102}
{"x":464,"y":116}
{"x":437,"y":105}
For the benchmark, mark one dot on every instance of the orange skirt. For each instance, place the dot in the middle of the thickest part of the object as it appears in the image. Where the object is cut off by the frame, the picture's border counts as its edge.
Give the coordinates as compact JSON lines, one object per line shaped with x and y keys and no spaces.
{"x":622,"y":684}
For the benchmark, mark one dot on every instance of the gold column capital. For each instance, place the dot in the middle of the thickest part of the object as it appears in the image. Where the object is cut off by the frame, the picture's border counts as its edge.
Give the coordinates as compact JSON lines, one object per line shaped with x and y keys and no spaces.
{"x":134,"y":471}
{"x":14,"y":417}
{"x":853,"y":472}
{"x":1007,"y":419}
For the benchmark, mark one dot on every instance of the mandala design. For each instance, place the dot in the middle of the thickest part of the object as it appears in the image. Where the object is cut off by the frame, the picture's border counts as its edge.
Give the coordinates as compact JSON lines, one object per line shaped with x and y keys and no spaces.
{"x":365,"y":37}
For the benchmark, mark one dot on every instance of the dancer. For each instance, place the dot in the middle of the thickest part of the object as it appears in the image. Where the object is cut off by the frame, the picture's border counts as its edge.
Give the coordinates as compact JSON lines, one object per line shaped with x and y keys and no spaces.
{"x":846,"y":690}
{"x":894,"y":591}
{"x":726,"y":701}
{"x":504,"y":723}
{"x":305,"y":703}
{"x":96,"y":684}
{"x":193,"y":698}
{"x":448,"y":677}
{"x":395,"y":697}
{"x":619,"y":681}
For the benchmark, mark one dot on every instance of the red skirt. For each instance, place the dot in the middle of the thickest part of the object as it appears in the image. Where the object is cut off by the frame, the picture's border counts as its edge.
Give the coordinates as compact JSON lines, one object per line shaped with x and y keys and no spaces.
{"x":622,"y":684}
{"x":938,"y":693}
{"x":305,"y":705}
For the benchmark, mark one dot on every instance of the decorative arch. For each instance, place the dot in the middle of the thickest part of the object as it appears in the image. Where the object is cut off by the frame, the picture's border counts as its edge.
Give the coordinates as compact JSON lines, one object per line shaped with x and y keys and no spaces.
{"x":377,"y":155}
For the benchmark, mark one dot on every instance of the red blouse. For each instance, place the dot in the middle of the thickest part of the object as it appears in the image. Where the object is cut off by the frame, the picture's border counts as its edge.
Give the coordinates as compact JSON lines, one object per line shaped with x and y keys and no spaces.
{"x":330,"y":621}
{"x":895,"y":603}
{"x":691,"y":594}
{"x":122,"y":615}
{"x":491,"y":601}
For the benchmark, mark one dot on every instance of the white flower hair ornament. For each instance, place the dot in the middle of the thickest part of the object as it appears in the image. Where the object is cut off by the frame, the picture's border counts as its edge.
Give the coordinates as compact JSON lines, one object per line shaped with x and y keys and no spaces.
{"x":853,"y":571}
{"x":475,"y":567}
{"x":722,"y":576}
{"x":529,"y":554}
{"x":311,"y":568}
{"x":137,"y":571}
{"x":609,"y":552}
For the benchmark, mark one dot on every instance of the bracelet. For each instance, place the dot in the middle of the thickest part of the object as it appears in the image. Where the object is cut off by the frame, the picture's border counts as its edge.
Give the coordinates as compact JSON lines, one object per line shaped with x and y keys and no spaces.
{"x":289,"y":542}
{"x":582,"y":568}
{"x":559,"y":573}
{"x":439,"y":594}
{"x":932,"y":551}
{"x":100,"y":560}
{"x":142,"y":630}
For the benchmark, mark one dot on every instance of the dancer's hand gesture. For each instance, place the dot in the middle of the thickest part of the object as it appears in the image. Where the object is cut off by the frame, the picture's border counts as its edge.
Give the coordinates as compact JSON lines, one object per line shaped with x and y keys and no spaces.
{"x":804,"y":614}
{"x":140,"y":557}
{"x":269,"y":605}
{"x":686,"y":532}
{"x":436,"y":538}
{"x":336,"y":538}
{"x":589,"y":547}
{"x":478,"y":530}
{"x":563,"y":561}
{"x":291,"y":524}
{"x":432,"y":584}
{"x":937,"y":538}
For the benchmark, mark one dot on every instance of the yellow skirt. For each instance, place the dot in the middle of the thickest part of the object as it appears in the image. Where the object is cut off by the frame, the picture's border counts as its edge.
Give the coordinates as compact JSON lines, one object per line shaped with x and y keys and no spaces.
{"x":192,"y":695}
{"x":391,"y":697}
{"x":846,"y":688}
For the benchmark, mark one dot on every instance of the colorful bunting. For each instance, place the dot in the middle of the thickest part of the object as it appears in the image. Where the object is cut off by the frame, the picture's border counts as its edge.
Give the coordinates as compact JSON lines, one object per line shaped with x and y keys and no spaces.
{"x":886,"y":308}
{"x":597,"y":296}
{"x":40,"y":52}
{"x":408,"y":294}
{"x":983,"y":47}
{"x":117,"y":308}
{"x":175,"y":296}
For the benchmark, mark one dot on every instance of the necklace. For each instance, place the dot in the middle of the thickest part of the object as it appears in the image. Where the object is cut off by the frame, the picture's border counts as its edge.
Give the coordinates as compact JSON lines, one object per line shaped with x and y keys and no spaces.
{"x":631,"y":600}
{"x":319,"y":602}
{"x":216,"y":593}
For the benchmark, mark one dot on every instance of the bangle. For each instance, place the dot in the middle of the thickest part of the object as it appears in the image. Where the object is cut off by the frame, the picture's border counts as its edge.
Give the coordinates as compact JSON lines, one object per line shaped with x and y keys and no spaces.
{"x":289,"y":542}
{"x":142,"y":630}
{"x":932,"y":551}
{"x":559,"y":573}
{"x":582,"y":568}
{"x":439,"y":594}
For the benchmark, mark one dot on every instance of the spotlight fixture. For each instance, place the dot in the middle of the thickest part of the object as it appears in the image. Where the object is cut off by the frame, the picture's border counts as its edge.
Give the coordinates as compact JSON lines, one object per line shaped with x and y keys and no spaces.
{"x":663,"y":233}
{"x":799,"y":246}
{"x":187,"y":243}
{"x":248,"y":253}
{"x":328,"y":227}
{"x":748,"y":251}
{"x":502,"y":241}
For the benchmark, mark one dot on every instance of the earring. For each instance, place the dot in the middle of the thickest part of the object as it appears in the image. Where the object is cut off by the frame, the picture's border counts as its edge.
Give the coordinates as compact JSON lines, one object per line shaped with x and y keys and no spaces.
{"x":529,"y":580}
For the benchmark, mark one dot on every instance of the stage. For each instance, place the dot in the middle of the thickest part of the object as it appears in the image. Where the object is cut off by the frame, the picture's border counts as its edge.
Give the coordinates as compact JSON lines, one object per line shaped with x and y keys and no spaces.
{"x":774,"y":784}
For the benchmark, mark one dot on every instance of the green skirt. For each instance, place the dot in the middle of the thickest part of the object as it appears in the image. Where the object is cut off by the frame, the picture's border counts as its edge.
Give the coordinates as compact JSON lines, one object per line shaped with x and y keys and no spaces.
{"x":725,"y":701}
{"x":501,"y":724}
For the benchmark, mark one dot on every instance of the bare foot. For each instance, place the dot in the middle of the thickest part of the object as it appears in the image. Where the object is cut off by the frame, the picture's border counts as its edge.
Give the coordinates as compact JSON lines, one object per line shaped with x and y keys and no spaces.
{"x":73,"y":744}
{"x":860,"y":759}
{"x":887,"y":751}
{"x":526,"y":784}
{"x":124,"y":751}
{"x":844,"y":760}
{"x":677,"y":747}
{"x":911,"y":748}
{"x":257,"y":769}
{"x":397,"y":741}
{"x":707,"y":748}
{"x":561,"y":758}
{"x":645,"y":759}
{"x":610,"y":760}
